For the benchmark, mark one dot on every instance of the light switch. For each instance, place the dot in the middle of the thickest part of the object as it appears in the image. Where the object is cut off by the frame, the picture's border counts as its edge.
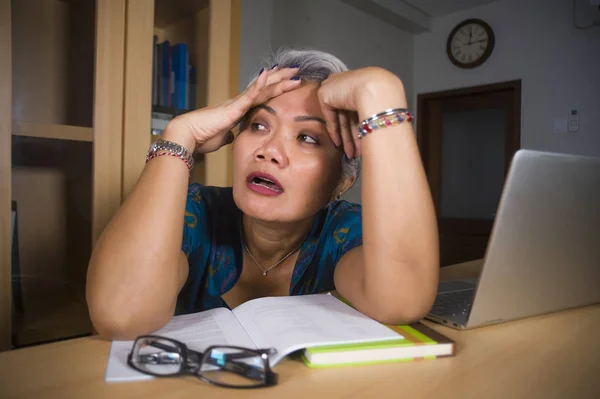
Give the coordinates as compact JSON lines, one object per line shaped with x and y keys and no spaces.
{"x":573,"y":120}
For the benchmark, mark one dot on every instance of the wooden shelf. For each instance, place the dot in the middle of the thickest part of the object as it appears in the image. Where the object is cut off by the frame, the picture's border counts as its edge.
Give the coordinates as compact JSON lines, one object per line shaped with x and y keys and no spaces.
{"x":52,"y":131}
{"x":168,"y":12}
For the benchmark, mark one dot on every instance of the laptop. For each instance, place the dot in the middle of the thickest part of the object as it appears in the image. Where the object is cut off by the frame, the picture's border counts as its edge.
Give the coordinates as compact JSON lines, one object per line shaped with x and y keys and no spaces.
{"x":543,"y":254}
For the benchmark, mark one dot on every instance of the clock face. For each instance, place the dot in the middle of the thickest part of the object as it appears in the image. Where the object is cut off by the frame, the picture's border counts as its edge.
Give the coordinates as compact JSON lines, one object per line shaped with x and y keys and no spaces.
{"x":470,"y":43}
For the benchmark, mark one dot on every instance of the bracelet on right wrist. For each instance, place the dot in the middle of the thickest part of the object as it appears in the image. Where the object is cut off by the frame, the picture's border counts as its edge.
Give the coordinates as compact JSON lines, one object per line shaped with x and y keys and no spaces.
{"x":163,"y":147}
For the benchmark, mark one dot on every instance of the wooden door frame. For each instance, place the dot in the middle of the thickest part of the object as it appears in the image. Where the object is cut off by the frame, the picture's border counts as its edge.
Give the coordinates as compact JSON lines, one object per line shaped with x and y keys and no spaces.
{"x":424,"y":124}
{"x":109,"y":72}
{"x":5,"y":175}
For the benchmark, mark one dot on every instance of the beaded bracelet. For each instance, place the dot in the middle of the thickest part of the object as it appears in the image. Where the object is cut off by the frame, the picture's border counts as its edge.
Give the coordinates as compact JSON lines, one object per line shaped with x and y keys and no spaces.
{"x":389,"y":117}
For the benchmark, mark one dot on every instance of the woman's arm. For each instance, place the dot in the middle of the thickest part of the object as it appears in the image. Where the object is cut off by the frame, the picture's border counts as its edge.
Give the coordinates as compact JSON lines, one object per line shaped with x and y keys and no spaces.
{"x":393,"y":276}
{"x":137,"y":266}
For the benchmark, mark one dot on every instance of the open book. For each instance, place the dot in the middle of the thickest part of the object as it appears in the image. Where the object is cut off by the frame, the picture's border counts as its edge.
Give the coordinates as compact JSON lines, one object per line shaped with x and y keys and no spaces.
{"x":287,"y":324}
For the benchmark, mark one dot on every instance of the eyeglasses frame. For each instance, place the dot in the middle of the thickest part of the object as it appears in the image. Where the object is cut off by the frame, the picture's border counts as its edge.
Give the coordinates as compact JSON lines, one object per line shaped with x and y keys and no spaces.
{"x":196,"y":358}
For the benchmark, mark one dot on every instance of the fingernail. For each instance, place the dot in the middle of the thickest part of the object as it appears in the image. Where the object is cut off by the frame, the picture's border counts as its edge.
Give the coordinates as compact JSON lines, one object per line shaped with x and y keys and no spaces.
{"x":295,"y":78}
{"x":295,"y":66}
{"x":261,"y":71}
{"x":274,"y":66}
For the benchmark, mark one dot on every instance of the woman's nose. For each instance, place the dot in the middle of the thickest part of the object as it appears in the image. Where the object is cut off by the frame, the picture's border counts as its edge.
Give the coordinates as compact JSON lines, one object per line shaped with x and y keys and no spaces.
{"x":273,"y":151}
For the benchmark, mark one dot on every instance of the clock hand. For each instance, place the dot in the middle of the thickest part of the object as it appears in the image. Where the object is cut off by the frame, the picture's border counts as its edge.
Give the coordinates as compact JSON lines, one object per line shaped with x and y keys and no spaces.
{"x":479,"y":41}
{"x":470,"y":34}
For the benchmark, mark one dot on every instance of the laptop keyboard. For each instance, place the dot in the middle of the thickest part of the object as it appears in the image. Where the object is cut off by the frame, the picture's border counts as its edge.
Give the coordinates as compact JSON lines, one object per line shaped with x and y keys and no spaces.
{"x":454,"y":303}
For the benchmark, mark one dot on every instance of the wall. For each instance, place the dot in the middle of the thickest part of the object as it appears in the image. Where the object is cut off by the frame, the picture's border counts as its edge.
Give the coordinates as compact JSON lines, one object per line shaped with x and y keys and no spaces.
{"x":330,"y":25}
{"x":535,"y":41}
{"x":256,"y":33}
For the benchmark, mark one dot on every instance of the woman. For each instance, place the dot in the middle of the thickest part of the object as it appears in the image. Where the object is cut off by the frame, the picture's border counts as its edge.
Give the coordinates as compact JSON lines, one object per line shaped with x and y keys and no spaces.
{"x":281,"y":229}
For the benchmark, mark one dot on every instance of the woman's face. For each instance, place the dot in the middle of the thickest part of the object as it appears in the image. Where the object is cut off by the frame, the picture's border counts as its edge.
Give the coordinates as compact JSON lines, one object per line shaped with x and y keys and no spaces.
{"x":286,"y":167}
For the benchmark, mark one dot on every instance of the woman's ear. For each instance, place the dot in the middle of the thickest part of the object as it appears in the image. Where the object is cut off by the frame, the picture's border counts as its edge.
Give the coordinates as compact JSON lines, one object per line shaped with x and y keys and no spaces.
{"x":344,"y":186}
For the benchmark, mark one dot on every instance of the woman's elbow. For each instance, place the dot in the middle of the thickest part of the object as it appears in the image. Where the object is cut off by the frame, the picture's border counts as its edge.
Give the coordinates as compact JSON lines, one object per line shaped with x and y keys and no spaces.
{"x":408,"y":313}
{"x":404,"y":306}
{"x":121,"y":324}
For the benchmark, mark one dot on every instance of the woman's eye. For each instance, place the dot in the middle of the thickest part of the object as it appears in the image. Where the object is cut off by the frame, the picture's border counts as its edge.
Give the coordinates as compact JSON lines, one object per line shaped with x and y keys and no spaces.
{"x":307,"y":139}
{"x":257,"y":126}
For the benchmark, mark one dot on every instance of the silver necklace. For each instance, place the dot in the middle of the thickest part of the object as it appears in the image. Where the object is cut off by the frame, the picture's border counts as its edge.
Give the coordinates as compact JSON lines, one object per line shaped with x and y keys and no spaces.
{"x":267,"y":270}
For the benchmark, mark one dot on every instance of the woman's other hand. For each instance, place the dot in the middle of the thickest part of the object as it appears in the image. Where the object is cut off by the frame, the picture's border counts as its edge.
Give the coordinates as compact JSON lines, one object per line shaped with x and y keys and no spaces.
{"x":208,"y":129}
{"x":349,"y":97}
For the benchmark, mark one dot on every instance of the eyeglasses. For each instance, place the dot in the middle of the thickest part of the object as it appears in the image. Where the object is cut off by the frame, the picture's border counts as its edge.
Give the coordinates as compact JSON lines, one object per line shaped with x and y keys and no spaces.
{"x":225,"y":366}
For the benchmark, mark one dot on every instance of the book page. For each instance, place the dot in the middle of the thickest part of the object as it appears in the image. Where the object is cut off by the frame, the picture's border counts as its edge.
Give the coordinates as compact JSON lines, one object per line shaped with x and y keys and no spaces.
{"x":198,"y":331}
{"x":296,"y":322}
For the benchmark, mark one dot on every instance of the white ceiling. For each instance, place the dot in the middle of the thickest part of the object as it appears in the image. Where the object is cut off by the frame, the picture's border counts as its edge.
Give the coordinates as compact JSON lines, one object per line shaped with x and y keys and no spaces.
{"x":438,"y":8}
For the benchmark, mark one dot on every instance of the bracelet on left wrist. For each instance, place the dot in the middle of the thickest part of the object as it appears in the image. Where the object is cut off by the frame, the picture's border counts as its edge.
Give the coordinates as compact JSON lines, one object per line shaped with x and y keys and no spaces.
{"x":388,"y":117}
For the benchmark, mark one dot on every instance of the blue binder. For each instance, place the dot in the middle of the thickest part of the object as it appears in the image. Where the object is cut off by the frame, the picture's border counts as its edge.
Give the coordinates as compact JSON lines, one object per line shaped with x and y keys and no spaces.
{"x":179,"y":98}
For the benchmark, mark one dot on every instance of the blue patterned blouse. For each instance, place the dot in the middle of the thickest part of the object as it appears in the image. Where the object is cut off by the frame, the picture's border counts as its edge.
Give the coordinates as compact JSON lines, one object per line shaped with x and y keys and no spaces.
{"x":212,"y":241}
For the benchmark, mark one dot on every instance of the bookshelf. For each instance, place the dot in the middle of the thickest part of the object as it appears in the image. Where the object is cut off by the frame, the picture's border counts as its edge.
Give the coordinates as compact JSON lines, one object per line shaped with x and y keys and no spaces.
{"x":52,"y":131}
{"x":75,"y":123}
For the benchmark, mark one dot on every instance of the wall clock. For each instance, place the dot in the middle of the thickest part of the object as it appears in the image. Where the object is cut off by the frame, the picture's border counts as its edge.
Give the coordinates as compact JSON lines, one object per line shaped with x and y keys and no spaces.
{"x":470,"y":43}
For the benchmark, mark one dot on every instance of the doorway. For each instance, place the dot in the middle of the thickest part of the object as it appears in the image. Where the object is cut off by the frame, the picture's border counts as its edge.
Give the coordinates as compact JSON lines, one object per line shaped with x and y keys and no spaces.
{"x":467,"y":138}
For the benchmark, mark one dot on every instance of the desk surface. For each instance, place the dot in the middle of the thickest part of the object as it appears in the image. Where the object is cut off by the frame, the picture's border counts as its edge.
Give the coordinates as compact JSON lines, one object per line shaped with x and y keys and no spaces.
{"x":550,"y":356}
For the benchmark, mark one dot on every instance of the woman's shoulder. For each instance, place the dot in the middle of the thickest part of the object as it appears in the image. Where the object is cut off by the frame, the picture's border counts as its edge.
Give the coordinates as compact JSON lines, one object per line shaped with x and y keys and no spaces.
{"x":210,"y":196}
{"x":342,"y":216}
{"x":341,"y":230}
{"x":343,"y":212}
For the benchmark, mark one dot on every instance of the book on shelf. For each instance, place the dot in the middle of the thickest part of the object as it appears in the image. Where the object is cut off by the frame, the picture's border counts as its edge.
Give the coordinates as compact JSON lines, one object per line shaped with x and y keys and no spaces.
{"x":180,"y":63}
{"x":161,"y":117}
{"x":155,"y":72}
{"x":288,"y":324}
{"x":191,"y":87}
{"x":173,"y":77}
{"x":164,"y":76}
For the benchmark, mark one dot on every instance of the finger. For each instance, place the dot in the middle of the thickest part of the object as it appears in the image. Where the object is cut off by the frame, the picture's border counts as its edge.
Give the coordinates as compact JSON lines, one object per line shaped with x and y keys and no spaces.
{"x":275,"y":90}
{"x":277,"y":75}
{"x":260,"y":83}
{"x":265,"y":79}
{"x":346,"y":134}
{"x":272,"y":76}
{"x":354,"y":123}
{"x":331,"y":120}
{"x":220,"y":140}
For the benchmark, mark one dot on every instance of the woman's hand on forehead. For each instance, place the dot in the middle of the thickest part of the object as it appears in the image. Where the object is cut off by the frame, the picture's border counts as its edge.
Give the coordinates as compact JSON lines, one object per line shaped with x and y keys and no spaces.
{"x":208,"y":129}
{"x":347,"y":98}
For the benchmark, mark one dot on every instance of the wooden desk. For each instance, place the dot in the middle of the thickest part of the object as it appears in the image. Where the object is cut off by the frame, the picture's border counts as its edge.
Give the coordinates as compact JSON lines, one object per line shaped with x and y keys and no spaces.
{"x":551,"y":356}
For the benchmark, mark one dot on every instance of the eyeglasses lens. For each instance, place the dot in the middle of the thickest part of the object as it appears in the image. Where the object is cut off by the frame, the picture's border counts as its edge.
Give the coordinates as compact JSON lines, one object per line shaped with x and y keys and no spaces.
{"x":157,"y":356}
{"x":233,"y":367}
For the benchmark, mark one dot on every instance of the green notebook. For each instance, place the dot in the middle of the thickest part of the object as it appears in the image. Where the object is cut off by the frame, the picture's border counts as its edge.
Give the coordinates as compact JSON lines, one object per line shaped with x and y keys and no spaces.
{"x":418,"y":342}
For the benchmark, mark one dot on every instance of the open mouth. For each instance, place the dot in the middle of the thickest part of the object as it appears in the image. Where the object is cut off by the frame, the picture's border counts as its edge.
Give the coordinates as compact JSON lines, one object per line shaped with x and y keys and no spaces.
{"x":264,"y":183}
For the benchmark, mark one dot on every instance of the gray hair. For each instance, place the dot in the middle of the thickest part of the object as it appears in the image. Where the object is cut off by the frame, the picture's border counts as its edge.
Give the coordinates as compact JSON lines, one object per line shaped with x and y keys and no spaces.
{"x":314,"y":66}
